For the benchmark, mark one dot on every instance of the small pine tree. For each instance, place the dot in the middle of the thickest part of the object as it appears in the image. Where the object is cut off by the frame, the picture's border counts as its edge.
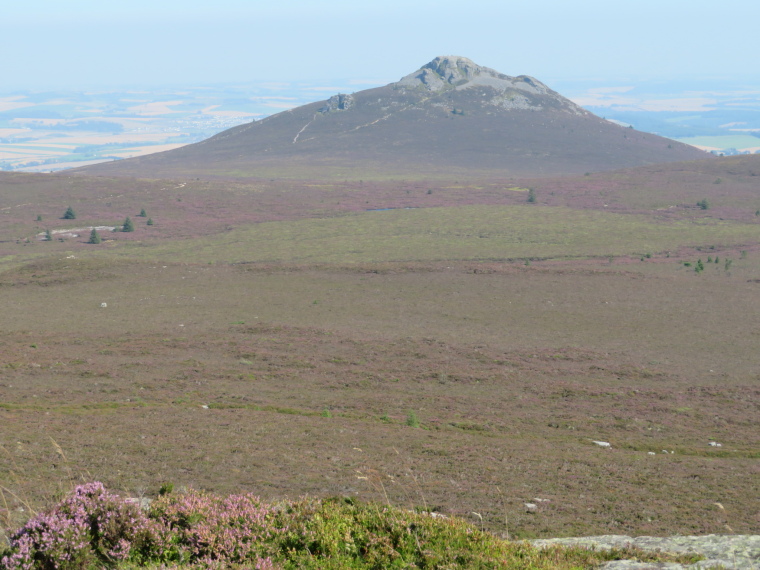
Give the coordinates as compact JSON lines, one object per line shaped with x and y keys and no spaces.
{"x":703,"y":204}
{"x":531,"y":195}
{"x":128,"y":226}
{"x":48,"y":235}
{"x":94,"y":237}
{"x":143,"y":213}
{"x":39,"y":217}
{"x":70,"y":214}
{"x":149,"y":222}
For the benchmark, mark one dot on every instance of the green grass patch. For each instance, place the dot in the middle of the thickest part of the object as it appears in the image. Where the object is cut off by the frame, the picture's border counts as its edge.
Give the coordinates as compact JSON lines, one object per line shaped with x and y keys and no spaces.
{"x":457,"y":233}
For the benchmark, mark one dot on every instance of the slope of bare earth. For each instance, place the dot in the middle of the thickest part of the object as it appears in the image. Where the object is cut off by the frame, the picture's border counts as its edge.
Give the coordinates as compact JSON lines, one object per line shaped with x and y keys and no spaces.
{"x":449,"y":118}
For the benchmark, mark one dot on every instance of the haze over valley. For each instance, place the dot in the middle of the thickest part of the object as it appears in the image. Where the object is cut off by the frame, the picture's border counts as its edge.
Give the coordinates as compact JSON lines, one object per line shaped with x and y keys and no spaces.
{"x":43,"y":131}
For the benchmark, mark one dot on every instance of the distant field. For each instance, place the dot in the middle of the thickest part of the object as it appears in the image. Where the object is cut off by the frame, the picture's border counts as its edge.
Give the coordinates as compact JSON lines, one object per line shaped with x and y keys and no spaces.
{"x":739,"y":142}
{"x":141,"y":150}
{"x":108,"y":116}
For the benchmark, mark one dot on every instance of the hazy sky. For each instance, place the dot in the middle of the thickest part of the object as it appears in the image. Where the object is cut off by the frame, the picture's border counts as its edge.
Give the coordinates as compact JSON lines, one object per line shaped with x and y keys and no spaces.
{"x":77,"y":44}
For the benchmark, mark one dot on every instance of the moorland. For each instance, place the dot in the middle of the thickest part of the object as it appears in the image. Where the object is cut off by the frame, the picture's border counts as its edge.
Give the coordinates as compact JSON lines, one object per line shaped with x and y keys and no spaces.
{"x":460,"y":293}
{"x":439,"y":344}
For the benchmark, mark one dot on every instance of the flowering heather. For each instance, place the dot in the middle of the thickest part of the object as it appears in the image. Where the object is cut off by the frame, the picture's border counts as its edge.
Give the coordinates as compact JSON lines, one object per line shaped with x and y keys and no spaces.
{"x":92,"y":527}
{"x":200,"y":526}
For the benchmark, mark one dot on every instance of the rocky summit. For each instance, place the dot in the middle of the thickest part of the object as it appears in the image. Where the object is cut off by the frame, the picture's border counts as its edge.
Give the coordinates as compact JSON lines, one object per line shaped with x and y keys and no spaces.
{"x":460,"y":73}
{"x":449,"y":117}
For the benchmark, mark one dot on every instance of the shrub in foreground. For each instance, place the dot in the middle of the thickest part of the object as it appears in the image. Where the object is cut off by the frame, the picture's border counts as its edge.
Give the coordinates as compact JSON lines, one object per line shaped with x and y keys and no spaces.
{"x":90,"y":528}
{"x":96,"y":529}
{"x":197,"y":526}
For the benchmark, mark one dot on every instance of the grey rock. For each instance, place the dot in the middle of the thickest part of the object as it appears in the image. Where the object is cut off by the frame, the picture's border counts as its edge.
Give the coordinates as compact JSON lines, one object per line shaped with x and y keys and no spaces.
{"x":739,"y":552}
{"x":142,"y":502}
{"x":455,"y":72}
{"x":339,"y":102}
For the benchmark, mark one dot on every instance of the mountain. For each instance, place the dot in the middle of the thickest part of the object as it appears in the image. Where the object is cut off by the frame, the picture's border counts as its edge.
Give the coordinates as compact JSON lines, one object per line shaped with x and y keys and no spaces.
{"x":449,"y":117}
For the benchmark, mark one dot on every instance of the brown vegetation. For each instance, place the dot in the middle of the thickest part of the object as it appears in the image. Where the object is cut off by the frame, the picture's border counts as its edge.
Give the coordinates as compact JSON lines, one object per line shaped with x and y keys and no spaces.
{"x":291,"y":378}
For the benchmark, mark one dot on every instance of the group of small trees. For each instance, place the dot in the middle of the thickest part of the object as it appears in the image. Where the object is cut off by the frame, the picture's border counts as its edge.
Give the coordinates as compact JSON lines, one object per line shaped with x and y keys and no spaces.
{"x":699,"y":266}
{"x":127,"y":226}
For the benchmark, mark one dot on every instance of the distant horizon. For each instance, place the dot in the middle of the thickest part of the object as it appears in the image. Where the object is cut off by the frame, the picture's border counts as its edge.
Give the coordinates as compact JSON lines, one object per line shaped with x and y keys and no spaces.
{"x":692,"y":93}
{"x":714,"y":81}
{"x":52,"y":129}
{"x":352,"y":84}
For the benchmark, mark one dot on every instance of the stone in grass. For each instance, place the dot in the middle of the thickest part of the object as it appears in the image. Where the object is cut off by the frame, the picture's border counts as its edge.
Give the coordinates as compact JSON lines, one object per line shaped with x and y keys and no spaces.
{"x":715,"y":444}
{"x":603,"y":443}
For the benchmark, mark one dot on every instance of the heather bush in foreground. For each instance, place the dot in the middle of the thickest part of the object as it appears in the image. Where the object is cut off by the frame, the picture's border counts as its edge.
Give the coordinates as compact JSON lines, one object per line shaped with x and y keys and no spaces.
{"x":198,"y":526}
{"x":91,"y":528}
{"x":96,"y":529}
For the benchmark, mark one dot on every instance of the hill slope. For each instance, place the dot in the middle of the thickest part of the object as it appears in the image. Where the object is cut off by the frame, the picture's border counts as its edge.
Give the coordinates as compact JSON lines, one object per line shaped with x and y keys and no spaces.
{"x":449,"y":117}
